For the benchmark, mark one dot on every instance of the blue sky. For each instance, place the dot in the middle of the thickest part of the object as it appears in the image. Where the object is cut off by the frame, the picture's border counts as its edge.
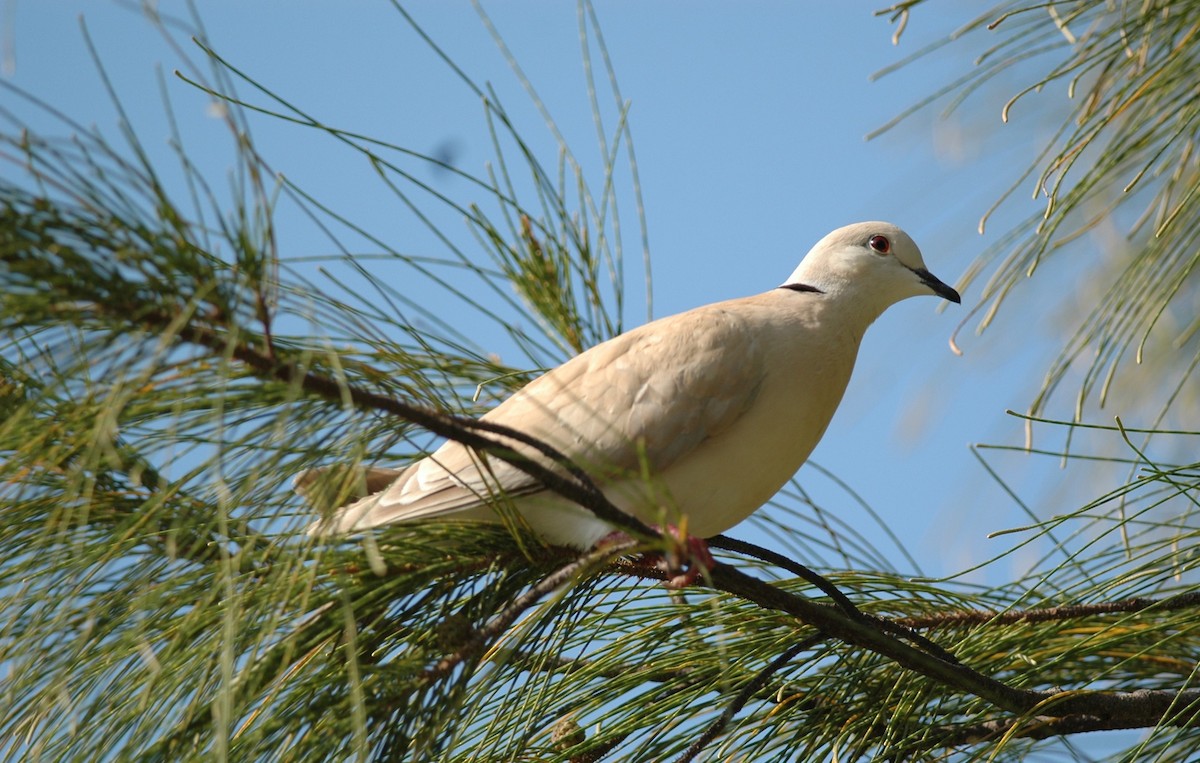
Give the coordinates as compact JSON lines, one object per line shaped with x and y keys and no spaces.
{"x":749,"y":130}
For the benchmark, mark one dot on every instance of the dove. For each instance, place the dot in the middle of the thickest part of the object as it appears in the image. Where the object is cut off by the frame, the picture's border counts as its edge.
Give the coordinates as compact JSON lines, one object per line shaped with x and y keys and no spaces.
{"x":693,"y":420}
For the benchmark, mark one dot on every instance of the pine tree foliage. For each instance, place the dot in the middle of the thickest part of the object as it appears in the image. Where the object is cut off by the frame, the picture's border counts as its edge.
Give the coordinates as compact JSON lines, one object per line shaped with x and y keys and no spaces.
{"x":166,"y":369}
{"x":1123,"y":159}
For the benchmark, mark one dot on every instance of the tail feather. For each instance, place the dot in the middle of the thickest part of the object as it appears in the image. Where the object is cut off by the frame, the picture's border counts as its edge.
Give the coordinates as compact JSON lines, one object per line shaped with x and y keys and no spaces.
{"x":328,"y":488}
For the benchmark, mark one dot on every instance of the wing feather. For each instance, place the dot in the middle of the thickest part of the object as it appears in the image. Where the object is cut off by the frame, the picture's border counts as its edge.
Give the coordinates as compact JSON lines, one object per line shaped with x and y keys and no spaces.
{"x":645,"y":398}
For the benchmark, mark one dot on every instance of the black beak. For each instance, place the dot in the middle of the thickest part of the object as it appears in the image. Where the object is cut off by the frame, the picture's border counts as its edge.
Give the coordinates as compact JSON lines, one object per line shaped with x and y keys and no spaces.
{"x":937,"y":286}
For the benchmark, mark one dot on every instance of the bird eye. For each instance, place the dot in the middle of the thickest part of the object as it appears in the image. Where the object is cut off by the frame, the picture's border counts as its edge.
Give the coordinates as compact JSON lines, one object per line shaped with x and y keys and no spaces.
{"x":880,"y":244}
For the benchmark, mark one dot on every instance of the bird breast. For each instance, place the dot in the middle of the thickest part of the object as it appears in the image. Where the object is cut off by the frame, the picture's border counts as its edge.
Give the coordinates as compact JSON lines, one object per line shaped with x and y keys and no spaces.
{"x":726,"y":478}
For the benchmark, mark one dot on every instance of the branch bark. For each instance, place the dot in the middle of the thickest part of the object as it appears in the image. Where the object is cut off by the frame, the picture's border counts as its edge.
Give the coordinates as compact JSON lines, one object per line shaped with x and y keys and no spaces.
{"x":1046,"y":712}
{"x":968,"y":618}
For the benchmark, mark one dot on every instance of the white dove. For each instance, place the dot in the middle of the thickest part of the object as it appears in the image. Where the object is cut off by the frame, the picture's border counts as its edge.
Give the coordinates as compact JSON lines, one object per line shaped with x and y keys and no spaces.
{"x":693,"y":420}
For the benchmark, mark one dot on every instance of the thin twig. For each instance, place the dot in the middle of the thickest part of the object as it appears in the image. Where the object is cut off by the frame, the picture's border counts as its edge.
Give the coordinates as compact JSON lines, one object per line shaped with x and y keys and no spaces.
{"x":501,"y":622}
{"x":1049,"y":614}
{"x":461,"y":428}
{"x":1043,"y":727}
{"x":828,"y":588}
{"x":746,"y":694}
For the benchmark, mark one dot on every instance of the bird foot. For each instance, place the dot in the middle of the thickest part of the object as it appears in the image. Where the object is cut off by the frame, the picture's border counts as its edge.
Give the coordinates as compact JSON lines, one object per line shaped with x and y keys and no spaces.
{"x":684,"y":561}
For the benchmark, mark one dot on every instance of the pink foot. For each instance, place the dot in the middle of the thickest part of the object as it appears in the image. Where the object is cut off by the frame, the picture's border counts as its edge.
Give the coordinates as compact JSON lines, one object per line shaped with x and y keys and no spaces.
{"x":686,"y":560}
{"x":699,"y":560}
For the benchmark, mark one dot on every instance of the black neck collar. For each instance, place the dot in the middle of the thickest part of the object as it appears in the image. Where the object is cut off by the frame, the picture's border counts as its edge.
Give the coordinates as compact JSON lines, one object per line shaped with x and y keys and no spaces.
{"x":801,"y":287}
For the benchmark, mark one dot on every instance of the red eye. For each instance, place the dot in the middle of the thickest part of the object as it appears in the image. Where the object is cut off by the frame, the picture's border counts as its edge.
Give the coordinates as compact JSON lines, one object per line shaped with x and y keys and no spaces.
{"x":880,"y":244}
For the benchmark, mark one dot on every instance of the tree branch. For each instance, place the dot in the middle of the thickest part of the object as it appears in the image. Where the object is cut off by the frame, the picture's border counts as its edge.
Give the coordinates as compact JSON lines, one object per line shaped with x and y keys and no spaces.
{"x":1042,"y":727}
{"x":747,"y":693}
{"x":894,"y":627}
{"x":581,"y":490}
{"x":1082,"y":708}
{"x":1066,"y":612}
{"x":498,"y":624}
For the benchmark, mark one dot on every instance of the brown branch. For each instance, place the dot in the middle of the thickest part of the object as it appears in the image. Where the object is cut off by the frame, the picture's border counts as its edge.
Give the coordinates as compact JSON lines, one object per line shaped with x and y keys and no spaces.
{"x":1144,"y":708}
{"x":752,"y":687}
{"x":1047,"y":614}
{"x":1132,"y":709}
{"x":896,"y":628}
{"x":500,"y":623}
{"x":837,"y":624}
{"x":1043,"y":727}
{"x":581,"y":490}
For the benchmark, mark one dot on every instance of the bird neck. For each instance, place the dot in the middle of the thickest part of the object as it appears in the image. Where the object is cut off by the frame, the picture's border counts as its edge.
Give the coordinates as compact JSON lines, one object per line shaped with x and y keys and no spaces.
{"x":833,"y":303}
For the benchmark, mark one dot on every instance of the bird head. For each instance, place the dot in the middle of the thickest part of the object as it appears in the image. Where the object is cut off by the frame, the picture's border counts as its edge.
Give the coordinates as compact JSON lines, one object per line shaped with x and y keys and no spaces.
{"x":874,"y":262}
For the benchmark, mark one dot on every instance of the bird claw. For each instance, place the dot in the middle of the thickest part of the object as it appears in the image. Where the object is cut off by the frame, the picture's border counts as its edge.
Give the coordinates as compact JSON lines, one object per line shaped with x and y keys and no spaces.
{"x":685,"y":561}
{"x":689,"y":557}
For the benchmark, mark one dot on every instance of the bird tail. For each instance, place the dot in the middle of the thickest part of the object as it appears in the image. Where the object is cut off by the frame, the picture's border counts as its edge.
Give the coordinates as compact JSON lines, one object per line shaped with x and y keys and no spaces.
{"x":331,"y":489}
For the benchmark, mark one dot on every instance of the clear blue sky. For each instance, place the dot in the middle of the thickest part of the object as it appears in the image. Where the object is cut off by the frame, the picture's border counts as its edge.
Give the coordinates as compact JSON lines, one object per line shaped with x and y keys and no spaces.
{"x":749,"y":129}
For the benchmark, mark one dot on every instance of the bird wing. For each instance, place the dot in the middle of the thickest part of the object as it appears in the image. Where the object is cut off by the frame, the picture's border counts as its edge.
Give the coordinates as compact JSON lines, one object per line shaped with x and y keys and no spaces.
{"x":647,"y":397}
{"x":638,"y":402}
